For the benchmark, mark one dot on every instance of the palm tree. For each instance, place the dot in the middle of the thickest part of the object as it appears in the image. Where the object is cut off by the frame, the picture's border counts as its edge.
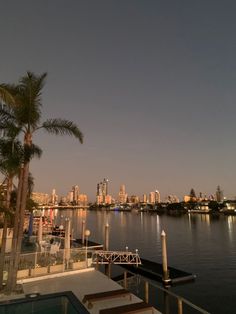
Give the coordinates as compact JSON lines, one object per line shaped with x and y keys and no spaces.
{"x":24,"y":117}
{"x":10,"y":155}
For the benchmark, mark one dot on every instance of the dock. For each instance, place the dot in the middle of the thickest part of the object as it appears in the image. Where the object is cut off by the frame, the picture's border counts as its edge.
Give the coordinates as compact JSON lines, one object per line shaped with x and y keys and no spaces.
{"x":153,"y":270}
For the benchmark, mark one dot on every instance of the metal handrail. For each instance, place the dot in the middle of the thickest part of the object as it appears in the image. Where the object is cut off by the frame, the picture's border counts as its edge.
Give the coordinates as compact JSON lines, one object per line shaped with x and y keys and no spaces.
{"x":180,"y":300}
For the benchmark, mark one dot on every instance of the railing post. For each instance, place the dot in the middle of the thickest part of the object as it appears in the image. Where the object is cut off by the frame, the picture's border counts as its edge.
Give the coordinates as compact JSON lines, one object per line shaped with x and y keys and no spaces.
{"x":125,"y":279}
{"x":180,"y":306}
{"x":146,"y":289}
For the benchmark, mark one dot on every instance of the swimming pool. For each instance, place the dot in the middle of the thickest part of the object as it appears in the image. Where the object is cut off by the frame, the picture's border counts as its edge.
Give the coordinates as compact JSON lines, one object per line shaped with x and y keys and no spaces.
{"x":56,"y":303}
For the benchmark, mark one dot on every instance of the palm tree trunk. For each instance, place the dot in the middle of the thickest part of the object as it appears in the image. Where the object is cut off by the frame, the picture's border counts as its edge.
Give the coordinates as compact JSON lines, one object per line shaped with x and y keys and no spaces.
{"x":24,"y":192}
{"x":4,"y":233}
{"x":15,"y":230}
{"x":3,"y":249}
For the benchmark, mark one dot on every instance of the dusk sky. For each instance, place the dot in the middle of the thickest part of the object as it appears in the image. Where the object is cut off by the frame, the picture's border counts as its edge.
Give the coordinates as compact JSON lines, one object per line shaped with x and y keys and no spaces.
{"x":150,"y":83}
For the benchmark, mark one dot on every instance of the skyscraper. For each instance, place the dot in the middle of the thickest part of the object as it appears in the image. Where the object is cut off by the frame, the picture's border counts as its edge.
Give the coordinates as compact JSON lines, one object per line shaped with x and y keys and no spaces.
{"x":157,"y":197}
{"x":152,"y":197}
{"x":219,"y":194}
{"x":75,"y":191}
{"x":54,"y":197}
{"x":102,"y":192}
{"x":122,"y":195}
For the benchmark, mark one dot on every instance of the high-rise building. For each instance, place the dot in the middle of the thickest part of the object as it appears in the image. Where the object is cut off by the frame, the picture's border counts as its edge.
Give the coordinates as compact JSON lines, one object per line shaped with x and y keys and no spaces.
{"x":152,"y":197}
{"x":219,"y":194}
{"x":144,"y":198}
{"x":157,"y":197}
{"x":40,"y":198}
{"x":83,"y":200}
{"x":122,"y":195}
{"x":102,"y":192}
{"x":134,"y":199}
{"x":54,"y":197}
{"x":75,"y":191}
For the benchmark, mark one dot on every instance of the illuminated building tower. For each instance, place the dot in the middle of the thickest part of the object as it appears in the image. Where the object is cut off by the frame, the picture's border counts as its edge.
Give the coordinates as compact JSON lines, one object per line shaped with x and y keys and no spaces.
{"x":219,"y":194}
{"x":102,"y":192}
{"x":104,"y":189}
{"x":134,"y":199}
{"x":122,"y":195}
{"x":108,"y":199}
{"x":75,"y":190}
{"x":83,"y":200}
{"x":69,"y":198}
{"x":40,"y":198}
{"x":152,"y":197}
{"x":54,"y":197}
{"x":144,"y":198}
{"x":157,"y":197}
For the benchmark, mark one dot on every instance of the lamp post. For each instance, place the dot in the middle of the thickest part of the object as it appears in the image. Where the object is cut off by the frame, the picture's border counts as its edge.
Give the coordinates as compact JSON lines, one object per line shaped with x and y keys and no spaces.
{"x":87,"y":234}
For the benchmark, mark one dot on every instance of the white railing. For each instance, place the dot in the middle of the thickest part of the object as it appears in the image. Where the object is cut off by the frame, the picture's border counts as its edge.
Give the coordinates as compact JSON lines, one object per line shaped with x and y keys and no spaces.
{"x":50,"y":261}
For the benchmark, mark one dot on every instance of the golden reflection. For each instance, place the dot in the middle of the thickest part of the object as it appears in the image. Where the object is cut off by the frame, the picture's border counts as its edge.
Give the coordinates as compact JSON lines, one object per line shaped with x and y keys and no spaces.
{"x":207,"y":219}
{"x":189,"y":221}
{"x":141,"y":218}
{"x":158,"y":227}
{"x":231,"y":220}
{"x":122,"y":219}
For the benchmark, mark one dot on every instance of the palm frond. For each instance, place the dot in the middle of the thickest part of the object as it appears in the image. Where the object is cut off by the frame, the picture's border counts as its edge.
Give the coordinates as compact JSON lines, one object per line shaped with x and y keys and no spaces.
{"x":63,"y":127}
{"x":31,"y":151}
{"x":6,"y":114}
{"x":11,"y":156}
{"x":5,"y":94}
{"x":10,"y":129}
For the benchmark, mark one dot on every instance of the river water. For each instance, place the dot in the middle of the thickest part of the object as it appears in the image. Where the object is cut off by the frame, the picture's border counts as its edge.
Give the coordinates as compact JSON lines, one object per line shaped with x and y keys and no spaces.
{"x":200,"y":244}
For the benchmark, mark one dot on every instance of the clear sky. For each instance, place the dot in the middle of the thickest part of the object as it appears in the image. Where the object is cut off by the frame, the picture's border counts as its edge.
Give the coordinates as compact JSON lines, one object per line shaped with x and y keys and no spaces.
{"x":150,"y":83}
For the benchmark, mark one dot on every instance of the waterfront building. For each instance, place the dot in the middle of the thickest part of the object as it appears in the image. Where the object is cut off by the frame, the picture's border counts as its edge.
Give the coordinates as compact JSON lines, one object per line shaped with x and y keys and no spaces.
{"x":75,"y":194}
{"x":187,"y":198}
{"x":134,"y":199}
{"x":152,"y":197}
{"x":157,"y":197}
{"x":122,"y":195}
{"x":70,"y":197}
{"x":63,"y":200}
{"x":83,"y":200}
{"x":102,"y":192}
{"x":40,"y":198}
{"x":144,"y":198}
{"x":54,"y":198}
{"x":175,"y":199}
{"x":108,"y":199}
{"x":99,"y":199}
{"x":219,"y":194}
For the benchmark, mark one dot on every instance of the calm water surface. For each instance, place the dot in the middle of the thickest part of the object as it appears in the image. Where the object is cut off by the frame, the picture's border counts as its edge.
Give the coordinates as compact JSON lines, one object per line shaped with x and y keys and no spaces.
{"x":200,"y":244}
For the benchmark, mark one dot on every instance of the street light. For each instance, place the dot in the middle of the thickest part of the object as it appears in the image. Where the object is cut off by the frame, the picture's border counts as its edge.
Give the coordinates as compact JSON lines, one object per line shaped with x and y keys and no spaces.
{"x":87,"y":234}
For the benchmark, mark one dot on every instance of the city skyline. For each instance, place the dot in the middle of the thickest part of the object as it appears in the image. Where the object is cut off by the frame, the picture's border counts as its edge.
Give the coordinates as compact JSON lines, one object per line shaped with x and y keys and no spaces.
{"x":151,"y":84}
{"x":102,"y":195}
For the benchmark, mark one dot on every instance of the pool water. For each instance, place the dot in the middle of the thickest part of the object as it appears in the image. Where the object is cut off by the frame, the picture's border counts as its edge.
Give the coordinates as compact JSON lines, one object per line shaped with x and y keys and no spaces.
{"x":59,"y":303}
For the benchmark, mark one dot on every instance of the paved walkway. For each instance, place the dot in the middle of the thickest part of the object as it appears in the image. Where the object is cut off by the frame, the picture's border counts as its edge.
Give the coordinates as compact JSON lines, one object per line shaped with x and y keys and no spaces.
{"x":80,"y":282}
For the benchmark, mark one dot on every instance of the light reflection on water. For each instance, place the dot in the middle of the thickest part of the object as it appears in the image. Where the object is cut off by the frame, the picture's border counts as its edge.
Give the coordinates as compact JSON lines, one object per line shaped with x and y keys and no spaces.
{"x":201,"y":244}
